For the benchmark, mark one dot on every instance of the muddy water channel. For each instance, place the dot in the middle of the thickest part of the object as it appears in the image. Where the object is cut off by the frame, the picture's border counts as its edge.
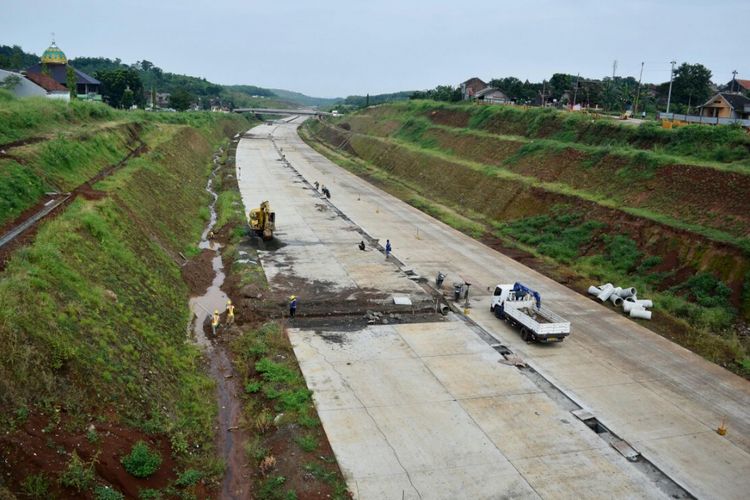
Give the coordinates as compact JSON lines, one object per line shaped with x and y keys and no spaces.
{"x":230,"y":438}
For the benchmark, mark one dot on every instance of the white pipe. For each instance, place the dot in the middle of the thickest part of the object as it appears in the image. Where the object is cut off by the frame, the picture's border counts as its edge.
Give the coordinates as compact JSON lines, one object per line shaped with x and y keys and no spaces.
{"x":606,"y":293}
{"x":617,"y":291}
{"x":615,"y":299}
{"x":627,"y":306}
{"x":594,"y":290}
{"x":644,"y":303}
{"x":606,"y":285}
{"x":639,"y":312}
{"x":627,"y":292}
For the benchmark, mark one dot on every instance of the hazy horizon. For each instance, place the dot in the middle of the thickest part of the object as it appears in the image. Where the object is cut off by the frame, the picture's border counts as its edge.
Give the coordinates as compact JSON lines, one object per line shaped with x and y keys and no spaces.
{"x":334,"y":48}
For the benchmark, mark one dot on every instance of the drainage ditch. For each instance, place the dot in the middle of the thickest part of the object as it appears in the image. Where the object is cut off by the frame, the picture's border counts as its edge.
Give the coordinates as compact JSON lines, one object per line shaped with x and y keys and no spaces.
{"x":230,"y":437}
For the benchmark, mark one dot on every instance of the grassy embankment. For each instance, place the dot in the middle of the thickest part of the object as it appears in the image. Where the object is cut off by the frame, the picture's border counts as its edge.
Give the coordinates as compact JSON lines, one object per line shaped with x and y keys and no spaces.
{"x":94,"y":311}
{"x":663,"y":210}
{"x":287,"y":448}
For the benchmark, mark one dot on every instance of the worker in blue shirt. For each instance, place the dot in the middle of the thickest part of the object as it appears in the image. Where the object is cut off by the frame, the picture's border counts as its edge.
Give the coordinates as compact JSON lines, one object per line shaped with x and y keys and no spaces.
{"x":387,"y":248}
{"x":292,"y":306}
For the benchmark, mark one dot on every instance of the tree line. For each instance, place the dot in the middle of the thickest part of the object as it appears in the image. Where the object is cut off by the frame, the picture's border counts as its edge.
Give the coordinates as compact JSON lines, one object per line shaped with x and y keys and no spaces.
{"x":691,"y":87}
{"x":124,"y":85}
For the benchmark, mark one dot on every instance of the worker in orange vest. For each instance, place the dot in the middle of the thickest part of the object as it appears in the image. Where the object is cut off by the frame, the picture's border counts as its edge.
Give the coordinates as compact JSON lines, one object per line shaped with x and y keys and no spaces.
{"x":230,"y":312}
{"x":215,"y":322}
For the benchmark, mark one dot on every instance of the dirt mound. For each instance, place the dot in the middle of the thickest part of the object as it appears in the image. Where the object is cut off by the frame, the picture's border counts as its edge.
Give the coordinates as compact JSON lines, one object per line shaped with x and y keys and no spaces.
{"x":198,"y":272}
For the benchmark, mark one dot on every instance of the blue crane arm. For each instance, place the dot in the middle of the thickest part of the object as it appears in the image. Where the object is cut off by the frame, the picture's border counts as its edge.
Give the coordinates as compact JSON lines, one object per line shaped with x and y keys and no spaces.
{"x":523,"y":289}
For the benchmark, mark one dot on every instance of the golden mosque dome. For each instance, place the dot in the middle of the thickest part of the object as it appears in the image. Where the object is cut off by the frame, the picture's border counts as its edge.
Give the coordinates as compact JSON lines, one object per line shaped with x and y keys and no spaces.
{"x":53,"y":55}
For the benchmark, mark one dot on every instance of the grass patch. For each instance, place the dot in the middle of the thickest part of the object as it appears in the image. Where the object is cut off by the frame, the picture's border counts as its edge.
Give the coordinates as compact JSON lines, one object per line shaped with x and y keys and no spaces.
{"x":450,"y":217}
{"x":307,"y":443}
{"x":36,"y":486}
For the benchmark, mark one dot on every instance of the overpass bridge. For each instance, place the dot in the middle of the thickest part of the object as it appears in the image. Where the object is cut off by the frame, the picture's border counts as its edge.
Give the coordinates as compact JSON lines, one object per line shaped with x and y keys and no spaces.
{"x":272,"y":111}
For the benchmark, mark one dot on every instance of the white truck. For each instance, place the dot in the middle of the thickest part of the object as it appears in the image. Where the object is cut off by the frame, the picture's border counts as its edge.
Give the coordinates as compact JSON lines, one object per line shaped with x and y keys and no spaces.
{"x":522,"y":308}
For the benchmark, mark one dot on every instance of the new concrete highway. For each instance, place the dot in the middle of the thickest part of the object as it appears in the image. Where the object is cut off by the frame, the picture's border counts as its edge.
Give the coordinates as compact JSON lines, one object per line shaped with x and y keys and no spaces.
{"x":427,"y":410}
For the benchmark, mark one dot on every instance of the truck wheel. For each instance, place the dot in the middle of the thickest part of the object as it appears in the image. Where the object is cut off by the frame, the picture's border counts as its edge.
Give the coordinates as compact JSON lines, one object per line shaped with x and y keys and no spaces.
{"x":492,"y":308}
{"x":525,"y":334}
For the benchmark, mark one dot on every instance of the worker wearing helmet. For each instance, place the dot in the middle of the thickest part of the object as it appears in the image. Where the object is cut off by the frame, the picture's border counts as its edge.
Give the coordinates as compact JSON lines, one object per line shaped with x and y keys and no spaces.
{"x":292,"y":306}
{"x":215,"y":321}
{"x":230,"y":312}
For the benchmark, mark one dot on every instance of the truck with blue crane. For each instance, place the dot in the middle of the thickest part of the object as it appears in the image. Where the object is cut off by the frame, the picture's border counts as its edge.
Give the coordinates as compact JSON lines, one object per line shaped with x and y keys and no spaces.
{"x":522,"y":308}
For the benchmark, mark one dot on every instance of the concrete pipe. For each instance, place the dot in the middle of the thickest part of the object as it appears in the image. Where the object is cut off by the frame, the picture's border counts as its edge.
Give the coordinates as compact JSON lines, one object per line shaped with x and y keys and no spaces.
{"x":615,"y":299}
{"x":644,"y":303}
{"x":444,"y":309}
{"x":617,"y":291}
{"x":640,"y":313}
{"x":594,"y":290}
{"x":606,"y":293}
{"x":627,"y":292}
{"x":628,"y":306}
{"x":606,"y":285}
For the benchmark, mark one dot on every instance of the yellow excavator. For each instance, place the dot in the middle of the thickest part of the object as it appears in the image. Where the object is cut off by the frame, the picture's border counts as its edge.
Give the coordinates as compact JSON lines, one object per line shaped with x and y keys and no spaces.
{"x":262,"y":221}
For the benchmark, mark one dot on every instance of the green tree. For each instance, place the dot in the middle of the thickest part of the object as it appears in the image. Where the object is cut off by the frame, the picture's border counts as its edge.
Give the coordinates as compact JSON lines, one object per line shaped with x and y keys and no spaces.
{"x":10,"y":82}
{"x":692,"y":84}
{"x":511,"y":87}
{"x":180,"y":99}
{"x":72,"y":82}
{"x":116,"y":81}
{"x":127,"y":98}
{"x":559,"y":84}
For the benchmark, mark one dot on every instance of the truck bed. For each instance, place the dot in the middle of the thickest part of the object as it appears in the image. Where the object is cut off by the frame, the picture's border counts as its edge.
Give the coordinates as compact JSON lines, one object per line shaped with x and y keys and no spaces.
{"x":541,"y":321}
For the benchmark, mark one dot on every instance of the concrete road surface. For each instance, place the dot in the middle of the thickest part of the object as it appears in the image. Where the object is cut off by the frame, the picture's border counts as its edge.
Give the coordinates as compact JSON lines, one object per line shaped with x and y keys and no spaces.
{"x":663,"y":400}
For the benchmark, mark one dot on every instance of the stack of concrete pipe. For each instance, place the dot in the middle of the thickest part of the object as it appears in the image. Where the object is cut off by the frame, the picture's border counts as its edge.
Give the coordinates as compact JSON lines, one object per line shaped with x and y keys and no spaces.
{"x":623,"y":297}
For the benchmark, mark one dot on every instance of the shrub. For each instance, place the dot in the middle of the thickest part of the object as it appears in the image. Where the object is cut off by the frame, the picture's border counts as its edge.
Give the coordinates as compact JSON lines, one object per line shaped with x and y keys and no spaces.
{"x":35,"y":486}
{"x":78,"y":474}
{"x":263,"y":421}
{"x":107,"y":493}
{"x":253,"y":386}
{"x":142,"y":462}
{"x":255,"y":450}
{"x":188,"y":478}
{"x":706,"y":290}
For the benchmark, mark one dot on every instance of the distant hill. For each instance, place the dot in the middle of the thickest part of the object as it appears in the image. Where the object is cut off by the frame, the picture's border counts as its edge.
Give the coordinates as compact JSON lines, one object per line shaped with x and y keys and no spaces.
{"x":361,"y":100}
{"x":306,"y":100}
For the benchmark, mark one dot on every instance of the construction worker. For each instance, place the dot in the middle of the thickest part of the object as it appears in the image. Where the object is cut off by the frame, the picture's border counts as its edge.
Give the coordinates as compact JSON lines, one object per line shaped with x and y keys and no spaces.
{"x":215,"y":321}
{"x":317,"y":185}
{"x":387,"y":248}
{"x":362,"y":245}
{"x":292,"y":306}
{"x":230,"y":312}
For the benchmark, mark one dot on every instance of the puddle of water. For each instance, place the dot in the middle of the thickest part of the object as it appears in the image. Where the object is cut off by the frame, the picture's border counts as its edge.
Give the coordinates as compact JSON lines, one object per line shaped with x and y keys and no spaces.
{"x":229,"y":446}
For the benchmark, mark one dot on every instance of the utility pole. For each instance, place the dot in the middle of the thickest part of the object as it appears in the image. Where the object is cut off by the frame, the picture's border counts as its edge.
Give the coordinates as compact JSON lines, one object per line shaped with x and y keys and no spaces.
{"x":734,"y":81}
{"x":544,"y":89}
{"x":638,"y":92}
{"x":671,"y":78}
{"x":575,"y":91}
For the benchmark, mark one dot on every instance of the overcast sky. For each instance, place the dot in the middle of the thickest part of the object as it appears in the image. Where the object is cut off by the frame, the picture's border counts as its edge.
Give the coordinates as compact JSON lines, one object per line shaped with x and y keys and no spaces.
{"x":333,"y":48}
